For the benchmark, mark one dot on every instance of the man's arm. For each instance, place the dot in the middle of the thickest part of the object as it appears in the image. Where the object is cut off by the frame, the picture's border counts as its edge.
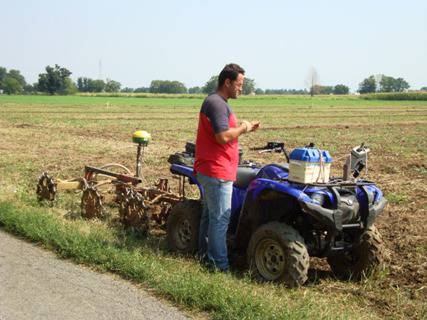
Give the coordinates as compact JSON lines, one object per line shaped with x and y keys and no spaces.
{"x":232,"y":133}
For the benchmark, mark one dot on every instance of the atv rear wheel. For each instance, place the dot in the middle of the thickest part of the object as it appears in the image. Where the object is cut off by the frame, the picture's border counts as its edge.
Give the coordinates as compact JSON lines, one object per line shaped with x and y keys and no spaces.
{"x":363,"y":259}
{"x":277,"y":252}
{"x":183,"y":226}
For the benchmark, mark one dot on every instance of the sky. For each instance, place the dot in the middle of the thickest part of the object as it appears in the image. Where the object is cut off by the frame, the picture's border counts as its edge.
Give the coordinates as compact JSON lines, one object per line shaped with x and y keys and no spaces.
{"x":276,"y":42}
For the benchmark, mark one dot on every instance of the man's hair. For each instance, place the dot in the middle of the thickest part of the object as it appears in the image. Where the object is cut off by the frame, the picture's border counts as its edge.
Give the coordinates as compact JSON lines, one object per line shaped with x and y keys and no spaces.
{"x":230,"y":71}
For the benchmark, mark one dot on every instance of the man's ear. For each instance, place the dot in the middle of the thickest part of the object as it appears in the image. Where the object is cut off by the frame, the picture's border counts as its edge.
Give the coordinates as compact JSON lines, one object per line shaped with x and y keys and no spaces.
{"x":227,"y":82}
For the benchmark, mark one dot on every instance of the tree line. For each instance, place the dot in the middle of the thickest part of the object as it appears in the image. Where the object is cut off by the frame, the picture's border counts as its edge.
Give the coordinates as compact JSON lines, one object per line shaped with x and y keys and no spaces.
{"x":383,"y":83}
{"x":56,"y":80}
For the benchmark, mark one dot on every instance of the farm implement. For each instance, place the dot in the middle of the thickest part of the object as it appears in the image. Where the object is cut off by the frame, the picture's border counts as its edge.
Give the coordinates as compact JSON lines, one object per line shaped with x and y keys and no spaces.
{"x":114,"y":183}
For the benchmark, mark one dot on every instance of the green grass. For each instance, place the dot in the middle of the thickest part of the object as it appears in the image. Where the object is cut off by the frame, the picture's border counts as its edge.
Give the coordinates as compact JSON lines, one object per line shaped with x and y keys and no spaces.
{"x":182,"y":281}
{"x":397,"y":198}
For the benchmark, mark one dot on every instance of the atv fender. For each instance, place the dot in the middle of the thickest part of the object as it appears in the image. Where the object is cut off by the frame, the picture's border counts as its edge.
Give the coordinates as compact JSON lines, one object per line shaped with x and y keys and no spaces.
{"x":254,"y":212}
{"x":375,"y":204}
{"x":260,"y":185}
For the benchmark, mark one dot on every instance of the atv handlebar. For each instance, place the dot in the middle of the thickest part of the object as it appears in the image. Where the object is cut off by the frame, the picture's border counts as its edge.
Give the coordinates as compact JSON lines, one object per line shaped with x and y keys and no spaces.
{"x":273,"y":146}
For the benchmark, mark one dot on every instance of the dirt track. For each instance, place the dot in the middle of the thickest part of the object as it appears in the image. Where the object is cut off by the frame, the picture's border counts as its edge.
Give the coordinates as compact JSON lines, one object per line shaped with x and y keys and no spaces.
{"x":34,"y":284}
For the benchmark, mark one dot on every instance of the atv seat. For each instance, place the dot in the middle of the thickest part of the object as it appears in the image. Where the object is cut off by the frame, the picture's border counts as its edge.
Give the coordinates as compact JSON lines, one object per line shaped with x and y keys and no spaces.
{"x":245,"y":175}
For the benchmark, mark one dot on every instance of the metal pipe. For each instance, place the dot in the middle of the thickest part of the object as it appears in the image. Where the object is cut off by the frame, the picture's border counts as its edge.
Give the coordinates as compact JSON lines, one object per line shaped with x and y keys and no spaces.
{"x":138,"y":160}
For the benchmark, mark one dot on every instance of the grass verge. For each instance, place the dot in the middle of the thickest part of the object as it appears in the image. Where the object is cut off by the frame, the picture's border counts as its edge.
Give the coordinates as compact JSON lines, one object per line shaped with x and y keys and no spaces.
{"x":183,"y":281}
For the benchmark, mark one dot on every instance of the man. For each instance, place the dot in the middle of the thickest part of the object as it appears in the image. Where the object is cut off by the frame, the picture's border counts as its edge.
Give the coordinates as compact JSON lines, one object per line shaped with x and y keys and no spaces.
{"x":217,"y":156}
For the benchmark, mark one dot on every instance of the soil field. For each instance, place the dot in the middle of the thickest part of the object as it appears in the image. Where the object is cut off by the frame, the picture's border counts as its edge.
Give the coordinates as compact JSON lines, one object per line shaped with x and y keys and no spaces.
{"x":62,"y":134}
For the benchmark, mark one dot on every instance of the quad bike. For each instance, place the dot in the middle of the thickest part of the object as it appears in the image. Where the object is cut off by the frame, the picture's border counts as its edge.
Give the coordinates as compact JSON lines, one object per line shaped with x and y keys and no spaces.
{"x":279,"y":221}
{"x":115,"y":184}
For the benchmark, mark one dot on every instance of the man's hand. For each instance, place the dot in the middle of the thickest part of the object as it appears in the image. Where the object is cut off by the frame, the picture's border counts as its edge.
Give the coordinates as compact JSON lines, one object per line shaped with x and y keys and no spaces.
{"x":232,"y":133}
{"x":255,"y":125}
{"x":250,"y":126}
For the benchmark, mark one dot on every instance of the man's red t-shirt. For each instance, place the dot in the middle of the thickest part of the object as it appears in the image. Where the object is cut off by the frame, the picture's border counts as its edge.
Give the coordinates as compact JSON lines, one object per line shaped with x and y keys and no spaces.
{"x":212,"y":158}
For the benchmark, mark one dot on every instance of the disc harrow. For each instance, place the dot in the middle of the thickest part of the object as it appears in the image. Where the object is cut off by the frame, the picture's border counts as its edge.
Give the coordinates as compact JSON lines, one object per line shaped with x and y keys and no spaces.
{"x":133,"y":211}
{"x":91,"y":203}
{"x":114,"y":184}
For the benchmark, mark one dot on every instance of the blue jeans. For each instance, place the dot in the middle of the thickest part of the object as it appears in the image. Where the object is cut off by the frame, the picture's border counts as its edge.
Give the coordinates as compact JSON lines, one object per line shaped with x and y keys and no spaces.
{"x":215,"y":219}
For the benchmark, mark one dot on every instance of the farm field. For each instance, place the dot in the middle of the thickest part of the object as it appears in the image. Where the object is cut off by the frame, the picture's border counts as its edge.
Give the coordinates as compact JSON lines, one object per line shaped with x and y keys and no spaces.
{"x":62,"y":134}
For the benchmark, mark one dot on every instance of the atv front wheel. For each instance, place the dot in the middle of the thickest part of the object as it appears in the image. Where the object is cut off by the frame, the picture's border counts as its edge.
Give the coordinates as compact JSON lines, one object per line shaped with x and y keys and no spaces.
{"x":363,"y":259}
{"x":277,"y":252}
{"x":183,"y":227}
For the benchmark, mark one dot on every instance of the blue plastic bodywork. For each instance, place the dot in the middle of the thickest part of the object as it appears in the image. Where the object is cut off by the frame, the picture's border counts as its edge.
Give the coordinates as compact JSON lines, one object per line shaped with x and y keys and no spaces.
{"x":273,"y":178}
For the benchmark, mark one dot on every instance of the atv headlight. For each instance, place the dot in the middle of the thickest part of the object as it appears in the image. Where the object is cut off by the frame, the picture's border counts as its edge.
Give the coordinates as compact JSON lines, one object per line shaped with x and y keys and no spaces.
{"x":318,"y":197}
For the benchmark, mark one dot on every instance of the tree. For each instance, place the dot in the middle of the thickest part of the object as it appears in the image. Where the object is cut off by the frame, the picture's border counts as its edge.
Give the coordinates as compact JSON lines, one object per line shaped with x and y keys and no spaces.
{"x":83,"y":84}
{"x":18,"y":76}
{"x":285,"y":91}
{"x":318,"y":89}
{"x":127,"y":90}
{"x":341,"y":89}
{"x":29,"y":89}
{"x":166,"y":86}
{"x":195,"y":90}
{"x":211,"y":85}
{"x":3,"y":73}
{"x":390,"y":84}
{"x":11,"y":82}
{"x":326,"y":89}
{"x":386,"y":84}
{"x":423,"y":89}
{"x":178,"y":87}
{"x":96,"y":85}
{"x":70,"y":86}
{"x":368,"y":85}
{"x":401,"y":85}
{"x":90,"y":85}
{"x":142,"y":90}
{"x":259,"y":91}
{"x":112,"y":86}
{"x":248,"y":86}
{"x":11,"y":85}
{"x":378,"y":77}
{"x":54,"y":81}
